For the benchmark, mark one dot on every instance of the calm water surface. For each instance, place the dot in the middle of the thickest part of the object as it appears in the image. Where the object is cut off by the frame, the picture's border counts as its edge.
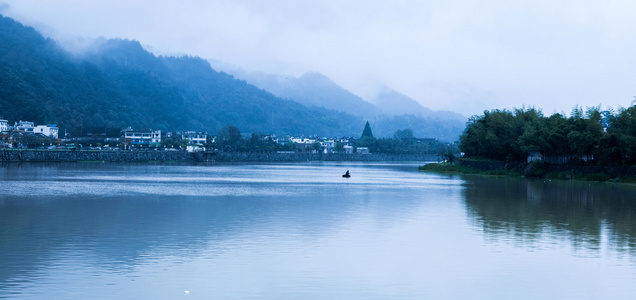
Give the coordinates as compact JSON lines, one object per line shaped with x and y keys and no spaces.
{"x":301,"y":231}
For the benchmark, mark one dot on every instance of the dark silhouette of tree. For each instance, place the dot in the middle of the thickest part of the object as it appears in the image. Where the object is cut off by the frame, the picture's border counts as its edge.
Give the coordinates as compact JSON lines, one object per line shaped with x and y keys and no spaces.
{"x":367,"y":131}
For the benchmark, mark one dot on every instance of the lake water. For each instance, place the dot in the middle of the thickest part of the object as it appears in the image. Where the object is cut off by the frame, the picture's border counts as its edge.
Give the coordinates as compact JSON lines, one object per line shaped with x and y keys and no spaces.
{"x":301,"y":231}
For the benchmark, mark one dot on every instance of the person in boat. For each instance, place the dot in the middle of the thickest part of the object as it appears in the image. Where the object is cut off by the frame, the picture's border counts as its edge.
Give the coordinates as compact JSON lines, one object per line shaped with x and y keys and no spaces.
{"x":347,"y":173}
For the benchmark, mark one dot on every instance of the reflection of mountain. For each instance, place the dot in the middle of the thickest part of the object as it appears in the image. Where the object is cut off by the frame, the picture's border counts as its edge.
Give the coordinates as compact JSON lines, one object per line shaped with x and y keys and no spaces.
{"x":121,"y":230}
{"x":526,"y":211}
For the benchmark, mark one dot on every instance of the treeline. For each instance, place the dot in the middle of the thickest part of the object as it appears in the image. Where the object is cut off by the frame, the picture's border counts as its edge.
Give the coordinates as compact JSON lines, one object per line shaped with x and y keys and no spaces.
{"x":230,"y":139}
{"x":591,"y":136}
{"x":403,"y":142}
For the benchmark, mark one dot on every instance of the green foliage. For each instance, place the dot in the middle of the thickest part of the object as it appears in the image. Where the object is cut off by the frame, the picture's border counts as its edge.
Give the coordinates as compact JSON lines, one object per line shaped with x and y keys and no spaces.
{"x":447,"y":130}
{"x":403,"y":134}
{"x":120,"y":84}
{"x":405,"y":146}
{"x":448,"y":168}
{"x":512,"y":136}
{"x":366,"y":133}
{"x":447,"y":152}
{"x":229,"y":139}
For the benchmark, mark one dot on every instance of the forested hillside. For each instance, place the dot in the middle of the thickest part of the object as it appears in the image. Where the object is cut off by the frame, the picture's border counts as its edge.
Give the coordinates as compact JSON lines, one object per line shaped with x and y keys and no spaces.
{"x":120,"y":84}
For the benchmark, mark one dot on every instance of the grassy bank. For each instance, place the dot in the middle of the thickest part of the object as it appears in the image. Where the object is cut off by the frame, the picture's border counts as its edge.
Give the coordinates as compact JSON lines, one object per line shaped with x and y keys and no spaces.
{"x":460,"y":169}
{"x":533,"y":170}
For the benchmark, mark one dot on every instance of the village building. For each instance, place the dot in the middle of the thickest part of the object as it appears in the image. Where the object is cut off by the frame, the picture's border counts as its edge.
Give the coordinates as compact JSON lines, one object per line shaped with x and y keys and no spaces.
{"x":304,"y":144}
{"x":4,"y":125}
{"x":25,"y":126}
{"x":348,"y":149}
{"x":195,"y":138}
{"x":142,"y":138}
{"x":362,"y":150}
{"x":49,"y":130}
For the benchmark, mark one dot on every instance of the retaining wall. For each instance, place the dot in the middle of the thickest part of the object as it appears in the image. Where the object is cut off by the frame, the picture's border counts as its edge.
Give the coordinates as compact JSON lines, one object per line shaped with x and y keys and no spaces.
{"x":113,"y":156}
{"x":145,"y":156}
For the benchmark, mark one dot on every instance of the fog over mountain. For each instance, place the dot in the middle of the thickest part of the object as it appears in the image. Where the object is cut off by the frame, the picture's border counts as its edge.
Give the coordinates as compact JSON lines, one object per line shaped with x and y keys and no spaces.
{"x":117,"y":83}
{"x":114,"y":83}
{"x":389,"y":111}
{"x":311,"y":89}
{"x":394,"y":103}
{"x":459,"y":55}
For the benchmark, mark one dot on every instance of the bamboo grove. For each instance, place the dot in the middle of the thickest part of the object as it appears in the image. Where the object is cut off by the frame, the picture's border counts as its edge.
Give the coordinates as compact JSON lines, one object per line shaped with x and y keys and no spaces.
{"x":585,"y":137}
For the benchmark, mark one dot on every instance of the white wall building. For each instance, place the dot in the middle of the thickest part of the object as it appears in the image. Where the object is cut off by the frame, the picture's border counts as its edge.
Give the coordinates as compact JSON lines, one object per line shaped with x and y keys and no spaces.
{"x":25,"y":126}
{"x":49,"y":130}
{"x":141,"y":138}
{"x":195,"y":138}
{"x":363,"y":150}
{"x":4,"y":125}
{"x":348,"y":149}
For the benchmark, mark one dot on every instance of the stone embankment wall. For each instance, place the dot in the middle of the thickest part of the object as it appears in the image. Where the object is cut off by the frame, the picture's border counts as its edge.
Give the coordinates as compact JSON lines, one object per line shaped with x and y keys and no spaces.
{"x":297,"y":157}
{"x":179,"y":156}
{"x":112,"y":156}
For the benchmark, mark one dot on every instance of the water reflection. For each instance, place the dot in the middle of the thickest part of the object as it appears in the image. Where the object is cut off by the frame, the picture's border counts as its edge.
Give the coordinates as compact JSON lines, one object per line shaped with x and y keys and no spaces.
{"x":99,"y":219}
{"x":531,"y":212}
{"x":297,"y":231}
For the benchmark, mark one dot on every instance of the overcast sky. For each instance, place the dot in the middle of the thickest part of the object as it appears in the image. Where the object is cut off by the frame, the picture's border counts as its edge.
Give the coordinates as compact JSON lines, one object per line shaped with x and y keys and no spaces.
{"x":460,"y":55}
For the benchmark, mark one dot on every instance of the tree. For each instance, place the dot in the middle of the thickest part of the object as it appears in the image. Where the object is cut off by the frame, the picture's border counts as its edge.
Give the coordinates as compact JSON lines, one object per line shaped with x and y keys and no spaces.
{"x":339,"y":147}
{"x":367,"y":131}
{"x":447,"y":152}
{"x":228,"y":138}
{"x":403,"y":134}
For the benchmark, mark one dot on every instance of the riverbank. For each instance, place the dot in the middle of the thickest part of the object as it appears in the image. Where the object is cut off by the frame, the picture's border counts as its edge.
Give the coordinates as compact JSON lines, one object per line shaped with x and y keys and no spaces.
{"x":624,"y":174}
{"x":304,"y":156}
{"x":183,"y":156}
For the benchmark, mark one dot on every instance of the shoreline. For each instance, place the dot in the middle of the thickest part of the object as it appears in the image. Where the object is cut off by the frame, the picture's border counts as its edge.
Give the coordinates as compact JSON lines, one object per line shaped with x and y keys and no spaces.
{"x":620,"y":174}
{"x":52,"y":156}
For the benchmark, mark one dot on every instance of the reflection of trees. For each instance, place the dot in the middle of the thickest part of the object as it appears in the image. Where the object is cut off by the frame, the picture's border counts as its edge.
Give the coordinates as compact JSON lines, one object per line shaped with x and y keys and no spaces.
{"x":526,"y":211}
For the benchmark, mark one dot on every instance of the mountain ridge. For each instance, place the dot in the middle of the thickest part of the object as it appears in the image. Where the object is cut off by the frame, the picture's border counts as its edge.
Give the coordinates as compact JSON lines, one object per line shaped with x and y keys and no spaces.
{"x":120,"y":84}
{"x":117,"y":83}
{"x":386,"y":111}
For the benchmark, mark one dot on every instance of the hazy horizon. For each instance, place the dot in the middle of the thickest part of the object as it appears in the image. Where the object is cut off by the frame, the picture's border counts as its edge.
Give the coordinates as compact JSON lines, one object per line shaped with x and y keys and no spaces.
{"x":457,"y":56}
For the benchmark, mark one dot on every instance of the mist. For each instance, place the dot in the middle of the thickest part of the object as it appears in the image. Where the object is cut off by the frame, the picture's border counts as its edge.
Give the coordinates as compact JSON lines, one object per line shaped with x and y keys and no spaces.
{"x":461,"y":55}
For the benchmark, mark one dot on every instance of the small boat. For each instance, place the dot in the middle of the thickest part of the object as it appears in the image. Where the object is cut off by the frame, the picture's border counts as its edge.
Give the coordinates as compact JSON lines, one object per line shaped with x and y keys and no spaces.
{"x":346,"y":175}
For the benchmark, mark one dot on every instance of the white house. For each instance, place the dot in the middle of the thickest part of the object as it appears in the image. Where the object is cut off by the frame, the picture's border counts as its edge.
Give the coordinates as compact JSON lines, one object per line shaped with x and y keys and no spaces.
{"x":362,"y":150}
{"x":140,"y":138}
{"x":24,"y":126}
{"x":4,"y":125}
{"x":303,"y":140}
{"x":195,"y":138}
{"x":303,"y":144}
{"x":348,"y":149}
{"x":49,"y":130}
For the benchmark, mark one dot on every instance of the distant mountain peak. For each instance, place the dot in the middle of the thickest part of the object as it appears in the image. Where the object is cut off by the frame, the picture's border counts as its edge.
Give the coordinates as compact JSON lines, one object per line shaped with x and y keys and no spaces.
{"x":395,"y":103}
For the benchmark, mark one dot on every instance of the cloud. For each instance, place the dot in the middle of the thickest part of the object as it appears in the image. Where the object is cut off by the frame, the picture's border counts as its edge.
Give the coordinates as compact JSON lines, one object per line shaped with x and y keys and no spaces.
{"x":459,"y":55}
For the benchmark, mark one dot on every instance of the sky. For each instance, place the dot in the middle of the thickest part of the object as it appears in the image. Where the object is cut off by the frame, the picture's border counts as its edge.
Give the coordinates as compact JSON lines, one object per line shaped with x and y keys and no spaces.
{"x":465,"y":56}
